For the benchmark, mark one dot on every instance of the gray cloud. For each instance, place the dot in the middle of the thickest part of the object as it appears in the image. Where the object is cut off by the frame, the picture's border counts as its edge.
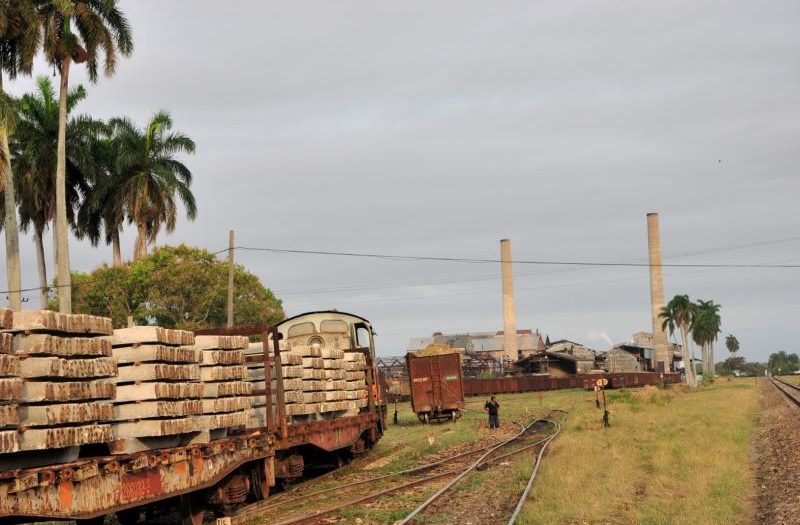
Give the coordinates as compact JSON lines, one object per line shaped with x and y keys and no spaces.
{"x":438,"y":129}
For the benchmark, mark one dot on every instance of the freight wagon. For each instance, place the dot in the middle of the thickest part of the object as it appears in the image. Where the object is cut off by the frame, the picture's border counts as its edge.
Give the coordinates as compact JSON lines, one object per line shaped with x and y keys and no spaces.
{"x":534,"y":383}
{"x":283,"y":438}
{"x":436,"y":385}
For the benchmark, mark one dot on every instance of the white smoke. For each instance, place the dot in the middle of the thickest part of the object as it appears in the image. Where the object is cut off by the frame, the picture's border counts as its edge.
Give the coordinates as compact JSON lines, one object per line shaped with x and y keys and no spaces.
{"x":600,"y":336}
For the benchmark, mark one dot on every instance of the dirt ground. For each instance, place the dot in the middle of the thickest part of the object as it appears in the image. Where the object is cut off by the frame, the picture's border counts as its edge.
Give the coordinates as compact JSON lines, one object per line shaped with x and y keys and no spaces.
{"x":777,"y":450}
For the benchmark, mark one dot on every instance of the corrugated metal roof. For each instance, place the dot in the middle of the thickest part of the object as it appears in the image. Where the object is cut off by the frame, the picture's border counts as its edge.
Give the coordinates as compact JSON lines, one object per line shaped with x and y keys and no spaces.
{"x":492,"y":344}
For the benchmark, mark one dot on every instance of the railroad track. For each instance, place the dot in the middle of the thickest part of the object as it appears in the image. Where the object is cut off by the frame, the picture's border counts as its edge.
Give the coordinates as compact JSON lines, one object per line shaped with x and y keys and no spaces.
{"x":451,"y":469}
{"x":789,"y":390}
{"x":441,"y":496}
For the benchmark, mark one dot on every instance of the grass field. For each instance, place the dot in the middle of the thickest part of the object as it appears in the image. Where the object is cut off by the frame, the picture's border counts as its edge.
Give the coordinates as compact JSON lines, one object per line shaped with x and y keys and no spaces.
{"x":670,"y":457}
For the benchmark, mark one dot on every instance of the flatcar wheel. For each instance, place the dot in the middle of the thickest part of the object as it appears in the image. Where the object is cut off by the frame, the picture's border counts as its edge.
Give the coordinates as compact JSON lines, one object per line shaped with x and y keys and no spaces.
{"x":193,"y":509}
{"x":259,"y":484}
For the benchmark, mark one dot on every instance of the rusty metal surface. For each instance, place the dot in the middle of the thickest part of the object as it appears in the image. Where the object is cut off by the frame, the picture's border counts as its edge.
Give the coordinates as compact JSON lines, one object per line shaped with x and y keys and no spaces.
{"x":510,"y":385}
{"x":329,"y":434}
{"x":97,"y":486}
{"x":436,"y":383}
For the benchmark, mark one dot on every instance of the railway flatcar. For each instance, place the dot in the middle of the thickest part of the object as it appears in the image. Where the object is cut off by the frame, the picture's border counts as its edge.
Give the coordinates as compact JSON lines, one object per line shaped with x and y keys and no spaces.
{"x":312,"y":403}
{"x":436,"y":384}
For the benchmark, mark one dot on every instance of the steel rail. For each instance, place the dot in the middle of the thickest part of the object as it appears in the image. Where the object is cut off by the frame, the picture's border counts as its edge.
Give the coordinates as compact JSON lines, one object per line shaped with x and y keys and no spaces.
{"x":305,"y":518}
{"x":537,"y":464}
{"x":524,"y":497}
{"x":316,"y":480}
{"x":781,"y":385}
{"x":464,"y":472}
{"x":320,"y":513}
{"x":412,"y":470}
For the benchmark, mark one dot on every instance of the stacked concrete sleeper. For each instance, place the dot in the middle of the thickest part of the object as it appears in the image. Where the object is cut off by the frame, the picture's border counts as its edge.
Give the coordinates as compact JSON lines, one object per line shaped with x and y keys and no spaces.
{"x":71,"y":380}
{"x":57,"y":384}
{"x":318,"y":383}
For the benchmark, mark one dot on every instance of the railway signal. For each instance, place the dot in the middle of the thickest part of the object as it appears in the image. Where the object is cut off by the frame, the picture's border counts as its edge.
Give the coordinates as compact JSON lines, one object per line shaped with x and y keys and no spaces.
{"x":600,"y":385}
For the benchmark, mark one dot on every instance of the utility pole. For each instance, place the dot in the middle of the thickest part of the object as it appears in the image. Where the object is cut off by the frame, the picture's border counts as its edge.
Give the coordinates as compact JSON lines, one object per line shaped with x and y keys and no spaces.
{"x":230,"y":279}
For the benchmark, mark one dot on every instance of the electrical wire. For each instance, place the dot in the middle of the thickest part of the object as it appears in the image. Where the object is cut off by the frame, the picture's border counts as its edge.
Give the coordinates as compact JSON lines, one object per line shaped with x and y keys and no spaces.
{"x":582,"y":264}
{"x":516,"y":261}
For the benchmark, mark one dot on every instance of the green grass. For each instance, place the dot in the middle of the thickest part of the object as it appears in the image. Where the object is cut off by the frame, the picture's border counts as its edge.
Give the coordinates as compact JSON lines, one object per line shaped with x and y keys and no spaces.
{"x":670,"y":457}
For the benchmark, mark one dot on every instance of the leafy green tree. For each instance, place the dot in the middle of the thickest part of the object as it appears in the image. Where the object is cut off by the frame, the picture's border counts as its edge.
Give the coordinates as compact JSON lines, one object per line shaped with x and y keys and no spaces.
{"x":175,"y":287}
{"x":706,"y":327}
{"x":20,"y":37}
{"x":678,"y":314}
{"x":148,"y":178}
{"x":34,"y":151}
{"x":77,"y":31}
{"x":783,"y":363}
{"x":732,"y":344}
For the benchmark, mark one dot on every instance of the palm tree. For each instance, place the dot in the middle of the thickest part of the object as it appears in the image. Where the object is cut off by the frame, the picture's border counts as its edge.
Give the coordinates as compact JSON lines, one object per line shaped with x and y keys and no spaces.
{"x":103,"y":213}
{"x":20,"y":38}
{"x":732,"y":344}
{"x":149,"y":177}
{"x":678,"y":313}
{"x":34,"y":148}
{"x":705,"y":330}
{"x":77,"y":31}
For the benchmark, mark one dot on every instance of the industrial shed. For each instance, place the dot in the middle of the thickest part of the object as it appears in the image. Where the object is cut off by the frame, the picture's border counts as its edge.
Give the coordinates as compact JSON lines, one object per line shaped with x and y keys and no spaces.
{"x":619,"y":360}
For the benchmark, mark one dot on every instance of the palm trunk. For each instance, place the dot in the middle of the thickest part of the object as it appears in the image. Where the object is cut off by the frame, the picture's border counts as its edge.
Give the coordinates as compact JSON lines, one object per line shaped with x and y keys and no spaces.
{"x":140,"y":248}
{"x":687,"y":361}
{"x":712,"y":367}
{"x":13,"y":272}
{"x":42,"y":267}
{"x":115,"y":247}
{"x":61,"y":230}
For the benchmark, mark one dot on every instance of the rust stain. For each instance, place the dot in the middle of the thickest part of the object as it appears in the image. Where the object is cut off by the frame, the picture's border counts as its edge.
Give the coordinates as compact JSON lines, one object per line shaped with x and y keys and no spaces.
{"x":180,"y":468}
{"x":65,"y":495}
{"x":139,"y":486}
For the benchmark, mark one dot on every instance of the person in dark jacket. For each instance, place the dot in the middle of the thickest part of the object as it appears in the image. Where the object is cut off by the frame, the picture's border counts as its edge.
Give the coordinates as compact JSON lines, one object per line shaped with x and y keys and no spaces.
{"x":493,"y":408}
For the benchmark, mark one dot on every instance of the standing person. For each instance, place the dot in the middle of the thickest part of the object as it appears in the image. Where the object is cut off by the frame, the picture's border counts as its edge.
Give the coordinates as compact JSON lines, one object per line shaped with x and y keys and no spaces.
{"x":493,"y":408}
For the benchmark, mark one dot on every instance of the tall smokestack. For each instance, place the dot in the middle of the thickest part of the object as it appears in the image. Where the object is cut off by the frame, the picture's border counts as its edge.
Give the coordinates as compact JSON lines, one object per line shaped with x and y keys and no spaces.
{"x":509,"y":312}
{"x":661,"y":354}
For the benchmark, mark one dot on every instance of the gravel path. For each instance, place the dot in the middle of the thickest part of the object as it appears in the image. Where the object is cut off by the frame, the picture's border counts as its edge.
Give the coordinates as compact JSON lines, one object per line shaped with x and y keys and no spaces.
{"x":778,"y":454}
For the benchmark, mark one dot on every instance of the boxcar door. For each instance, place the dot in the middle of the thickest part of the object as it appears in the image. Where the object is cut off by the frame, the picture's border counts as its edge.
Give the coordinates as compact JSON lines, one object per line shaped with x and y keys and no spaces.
{"x":451,"y":386}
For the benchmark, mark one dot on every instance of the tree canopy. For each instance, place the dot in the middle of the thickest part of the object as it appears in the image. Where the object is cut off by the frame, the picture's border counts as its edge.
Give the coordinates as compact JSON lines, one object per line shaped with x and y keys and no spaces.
{"x":175,"y":287}
{"x":783,"y":363}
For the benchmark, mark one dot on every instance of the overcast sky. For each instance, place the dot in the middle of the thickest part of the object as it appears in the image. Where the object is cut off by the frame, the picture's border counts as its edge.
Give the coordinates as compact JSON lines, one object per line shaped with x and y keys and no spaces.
{"x":439,"y":128}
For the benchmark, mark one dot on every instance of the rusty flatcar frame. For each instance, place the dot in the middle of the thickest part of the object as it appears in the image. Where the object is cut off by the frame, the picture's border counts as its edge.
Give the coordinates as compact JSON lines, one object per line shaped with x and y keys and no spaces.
{"x":93,"y":487}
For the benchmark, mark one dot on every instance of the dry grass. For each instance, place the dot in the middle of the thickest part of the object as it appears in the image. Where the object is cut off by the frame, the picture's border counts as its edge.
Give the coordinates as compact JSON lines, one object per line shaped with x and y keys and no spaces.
{"x":670,"y":457}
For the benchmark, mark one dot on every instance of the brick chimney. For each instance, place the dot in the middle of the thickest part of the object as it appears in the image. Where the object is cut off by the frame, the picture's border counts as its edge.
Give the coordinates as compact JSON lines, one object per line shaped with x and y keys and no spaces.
{"x":509,"y":311}
{"x":662,"y":359}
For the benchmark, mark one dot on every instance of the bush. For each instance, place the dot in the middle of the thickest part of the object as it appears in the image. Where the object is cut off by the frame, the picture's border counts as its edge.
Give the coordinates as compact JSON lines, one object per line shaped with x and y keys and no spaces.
{"x":174,"y":287}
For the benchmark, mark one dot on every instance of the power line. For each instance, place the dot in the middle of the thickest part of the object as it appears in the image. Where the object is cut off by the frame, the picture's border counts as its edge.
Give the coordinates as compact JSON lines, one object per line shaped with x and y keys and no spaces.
{"x":521,"y":261}
{"x":418,"y":258}
{"x":517,"y":275}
